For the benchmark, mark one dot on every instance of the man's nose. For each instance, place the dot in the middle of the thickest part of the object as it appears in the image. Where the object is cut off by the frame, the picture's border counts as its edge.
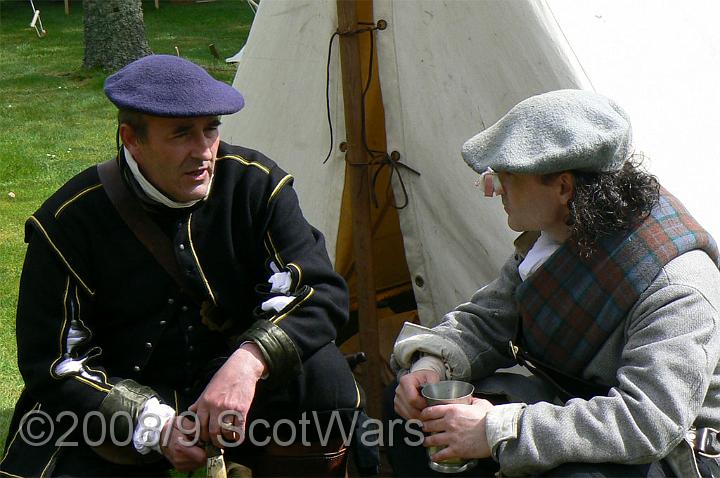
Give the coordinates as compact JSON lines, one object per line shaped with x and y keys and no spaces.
{"x":202,"y":147}
{"x":499,"y":186}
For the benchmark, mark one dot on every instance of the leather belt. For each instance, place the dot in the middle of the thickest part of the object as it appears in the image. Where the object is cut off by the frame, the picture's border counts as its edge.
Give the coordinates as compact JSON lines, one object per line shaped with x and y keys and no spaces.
{"x":704,"y":441}
{"x":566,"y":385}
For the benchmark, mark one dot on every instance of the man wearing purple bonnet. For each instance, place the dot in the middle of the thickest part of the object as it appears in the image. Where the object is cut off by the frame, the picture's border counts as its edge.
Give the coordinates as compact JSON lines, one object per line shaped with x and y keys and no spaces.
{"x":179,"y":276}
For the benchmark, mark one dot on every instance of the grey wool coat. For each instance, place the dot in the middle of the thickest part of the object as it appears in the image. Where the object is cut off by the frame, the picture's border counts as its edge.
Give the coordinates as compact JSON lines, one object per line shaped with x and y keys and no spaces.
{"x":662,"y":363}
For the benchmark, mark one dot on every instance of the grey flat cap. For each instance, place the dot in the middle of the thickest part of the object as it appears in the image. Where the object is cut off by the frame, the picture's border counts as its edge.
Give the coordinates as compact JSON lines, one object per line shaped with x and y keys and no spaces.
{"x":557,"y":131}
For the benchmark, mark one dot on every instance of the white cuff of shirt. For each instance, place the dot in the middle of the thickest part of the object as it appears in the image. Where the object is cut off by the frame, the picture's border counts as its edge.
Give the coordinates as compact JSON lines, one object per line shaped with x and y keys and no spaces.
{"x":430,"y":362}
{"x":501,"y":424}
{"x":150,"y":424}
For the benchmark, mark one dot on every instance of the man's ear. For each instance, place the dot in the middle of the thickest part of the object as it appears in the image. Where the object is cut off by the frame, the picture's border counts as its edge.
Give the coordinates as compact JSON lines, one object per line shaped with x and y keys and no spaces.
{"x":566,"y":186}
{"x":129,"y":138}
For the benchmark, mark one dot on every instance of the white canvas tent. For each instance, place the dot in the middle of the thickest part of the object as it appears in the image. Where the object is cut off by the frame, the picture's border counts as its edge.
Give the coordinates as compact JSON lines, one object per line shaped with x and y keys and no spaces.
{"x":660,"y":59}
{"x":448,"y":69}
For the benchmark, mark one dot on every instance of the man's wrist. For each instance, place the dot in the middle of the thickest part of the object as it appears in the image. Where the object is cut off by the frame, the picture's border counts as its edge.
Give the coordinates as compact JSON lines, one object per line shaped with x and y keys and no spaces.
{"x":502,"y":423}
{"x":432,"y":363}
{"x":281,"y":356}
{"x":259,"y":365}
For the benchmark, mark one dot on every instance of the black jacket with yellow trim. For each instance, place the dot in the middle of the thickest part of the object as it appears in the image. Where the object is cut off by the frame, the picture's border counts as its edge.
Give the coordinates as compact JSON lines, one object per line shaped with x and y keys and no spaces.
{"x":86,"y":273}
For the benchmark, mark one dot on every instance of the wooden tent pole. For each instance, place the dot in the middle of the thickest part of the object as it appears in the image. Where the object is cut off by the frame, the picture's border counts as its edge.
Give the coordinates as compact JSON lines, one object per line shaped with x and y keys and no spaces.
{"x":359,"y":183}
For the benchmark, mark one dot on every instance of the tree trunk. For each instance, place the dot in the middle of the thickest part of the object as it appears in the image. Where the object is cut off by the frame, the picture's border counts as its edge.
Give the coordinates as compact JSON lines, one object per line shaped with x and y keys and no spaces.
{"x":114,"y":33}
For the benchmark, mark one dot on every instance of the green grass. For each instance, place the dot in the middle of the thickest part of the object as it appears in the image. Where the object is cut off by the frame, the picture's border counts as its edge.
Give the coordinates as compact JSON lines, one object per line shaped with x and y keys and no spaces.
{"x":55,"y":120}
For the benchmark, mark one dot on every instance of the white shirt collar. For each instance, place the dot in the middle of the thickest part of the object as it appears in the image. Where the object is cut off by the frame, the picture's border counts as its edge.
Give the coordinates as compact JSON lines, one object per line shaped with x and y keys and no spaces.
{"x":543,"y":248}
{"x":152,"y":192}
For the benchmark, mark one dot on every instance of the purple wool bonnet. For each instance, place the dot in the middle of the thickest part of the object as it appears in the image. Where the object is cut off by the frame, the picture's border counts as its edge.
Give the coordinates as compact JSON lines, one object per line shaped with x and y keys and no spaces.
{"x":170,"y":86}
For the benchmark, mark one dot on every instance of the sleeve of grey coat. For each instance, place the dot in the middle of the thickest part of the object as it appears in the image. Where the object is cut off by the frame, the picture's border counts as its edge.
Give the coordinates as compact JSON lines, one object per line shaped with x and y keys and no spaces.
{"x":472,"y":339}
{"x":667,"y":379}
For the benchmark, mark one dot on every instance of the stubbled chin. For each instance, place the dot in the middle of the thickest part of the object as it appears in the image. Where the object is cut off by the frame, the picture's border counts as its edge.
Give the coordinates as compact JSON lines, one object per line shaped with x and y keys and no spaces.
{"x":193,"y":194}
{"x":514,"y":226}
{"x":200,"y":193}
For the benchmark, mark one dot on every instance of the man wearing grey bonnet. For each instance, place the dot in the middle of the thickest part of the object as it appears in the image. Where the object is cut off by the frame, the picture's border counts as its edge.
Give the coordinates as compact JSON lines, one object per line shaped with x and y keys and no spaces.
{"x":611,"y":300}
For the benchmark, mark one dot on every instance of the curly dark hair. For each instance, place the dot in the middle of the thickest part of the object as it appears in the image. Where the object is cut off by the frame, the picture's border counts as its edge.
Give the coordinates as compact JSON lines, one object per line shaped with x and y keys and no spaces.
{"x":606,"y":203}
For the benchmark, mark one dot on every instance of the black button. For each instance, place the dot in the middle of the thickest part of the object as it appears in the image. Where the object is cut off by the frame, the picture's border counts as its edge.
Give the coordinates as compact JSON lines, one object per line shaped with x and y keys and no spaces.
{"x":191,"y":348}
{"x":190,"y":328}
{"x":171,"y":301}
{"x":136,"y":368}
{"x":184,"y":308}
{"x":163,"y":322}
{"x":148,"y":345}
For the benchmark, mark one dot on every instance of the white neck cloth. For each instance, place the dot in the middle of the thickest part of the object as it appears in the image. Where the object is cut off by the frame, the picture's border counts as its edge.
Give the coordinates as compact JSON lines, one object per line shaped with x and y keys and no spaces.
{"x":152,"y":192}
{"x":543,"y":248}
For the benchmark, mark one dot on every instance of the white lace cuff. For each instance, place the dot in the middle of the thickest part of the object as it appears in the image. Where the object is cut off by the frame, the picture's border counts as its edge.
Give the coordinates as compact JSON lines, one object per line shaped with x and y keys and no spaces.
{"x":149,"y":426}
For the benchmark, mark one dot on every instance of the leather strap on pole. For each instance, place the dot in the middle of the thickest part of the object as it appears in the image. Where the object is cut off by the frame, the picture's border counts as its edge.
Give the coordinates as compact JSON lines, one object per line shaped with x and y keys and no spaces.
{"x":143,"y":227}
{"x":359,"y":183}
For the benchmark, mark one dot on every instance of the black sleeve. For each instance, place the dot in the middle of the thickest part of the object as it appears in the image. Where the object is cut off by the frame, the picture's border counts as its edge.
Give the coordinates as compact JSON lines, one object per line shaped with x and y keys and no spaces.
{"x":319,"y":305}
{"x":61,"y":366}
{"x":55,"y":353}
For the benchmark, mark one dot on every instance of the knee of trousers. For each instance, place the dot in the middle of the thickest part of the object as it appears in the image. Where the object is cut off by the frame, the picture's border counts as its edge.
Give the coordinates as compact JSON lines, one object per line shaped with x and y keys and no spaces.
{"x":327,"y":383}
{"x":324,"y":384}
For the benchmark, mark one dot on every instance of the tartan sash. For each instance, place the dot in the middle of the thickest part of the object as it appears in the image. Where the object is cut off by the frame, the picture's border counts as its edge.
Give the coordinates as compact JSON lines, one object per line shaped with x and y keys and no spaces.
{"x":569,"y":306}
